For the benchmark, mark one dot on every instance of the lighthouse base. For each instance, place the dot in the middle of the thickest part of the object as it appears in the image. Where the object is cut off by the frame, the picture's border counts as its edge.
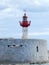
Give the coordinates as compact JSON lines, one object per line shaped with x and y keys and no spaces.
{"x":23,"y":51}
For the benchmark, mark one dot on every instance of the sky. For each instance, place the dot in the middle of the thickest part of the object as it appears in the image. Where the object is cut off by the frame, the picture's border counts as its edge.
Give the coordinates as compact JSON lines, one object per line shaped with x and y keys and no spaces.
{"x":11,"y":12}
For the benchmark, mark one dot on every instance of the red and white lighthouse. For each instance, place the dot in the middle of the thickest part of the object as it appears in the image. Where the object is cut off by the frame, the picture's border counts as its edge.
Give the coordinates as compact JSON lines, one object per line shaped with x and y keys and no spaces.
{"x":25,"y":23}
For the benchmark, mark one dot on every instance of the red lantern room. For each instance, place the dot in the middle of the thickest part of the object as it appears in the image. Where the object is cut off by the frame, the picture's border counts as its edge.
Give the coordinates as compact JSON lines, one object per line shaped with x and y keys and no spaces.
{"x":24,"y":22}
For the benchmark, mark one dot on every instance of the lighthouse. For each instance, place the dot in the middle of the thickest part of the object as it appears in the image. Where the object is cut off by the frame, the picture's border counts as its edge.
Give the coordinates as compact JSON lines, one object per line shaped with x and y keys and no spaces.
{"x":25,"y":24}
{"x":23,"y":51}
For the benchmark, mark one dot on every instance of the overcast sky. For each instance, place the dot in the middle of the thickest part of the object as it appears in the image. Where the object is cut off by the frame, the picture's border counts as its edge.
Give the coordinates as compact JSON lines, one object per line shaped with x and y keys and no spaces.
{"x":11,"y":12}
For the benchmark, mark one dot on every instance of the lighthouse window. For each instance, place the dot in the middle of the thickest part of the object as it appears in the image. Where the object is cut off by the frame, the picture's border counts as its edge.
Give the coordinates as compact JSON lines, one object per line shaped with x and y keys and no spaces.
{"x":37,"y":48}
{"x":15,"y":45}
{"x":24,"y":19}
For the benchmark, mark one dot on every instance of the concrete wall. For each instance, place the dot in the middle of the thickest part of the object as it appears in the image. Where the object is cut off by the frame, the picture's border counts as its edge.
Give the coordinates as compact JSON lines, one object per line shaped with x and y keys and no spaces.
{"x":48,"y":55}
{"x":23,"y":51}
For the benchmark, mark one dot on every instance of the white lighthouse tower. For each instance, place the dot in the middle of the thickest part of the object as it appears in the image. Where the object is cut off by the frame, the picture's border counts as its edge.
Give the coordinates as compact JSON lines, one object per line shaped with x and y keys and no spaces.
{"x":25,"y":24}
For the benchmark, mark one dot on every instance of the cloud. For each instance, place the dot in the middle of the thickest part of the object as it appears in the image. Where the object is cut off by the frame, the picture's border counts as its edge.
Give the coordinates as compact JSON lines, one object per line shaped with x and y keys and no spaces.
{"x":35,"y":6}
{"x":12,"y":7}
{"x":2,"y":7}
{"x":46,"y":29}
{"x":39,"y":33}
{"x":29,"y":5}
{"x":3,"y":4}
{"x":9,"y":9}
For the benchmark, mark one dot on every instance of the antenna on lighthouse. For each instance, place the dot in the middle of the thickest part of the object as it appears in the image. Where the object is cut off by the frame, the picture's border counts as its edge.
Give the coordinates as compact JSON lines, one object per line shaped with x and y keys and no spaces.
{"x":25,"y":23}
{"x":24,"y":12}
